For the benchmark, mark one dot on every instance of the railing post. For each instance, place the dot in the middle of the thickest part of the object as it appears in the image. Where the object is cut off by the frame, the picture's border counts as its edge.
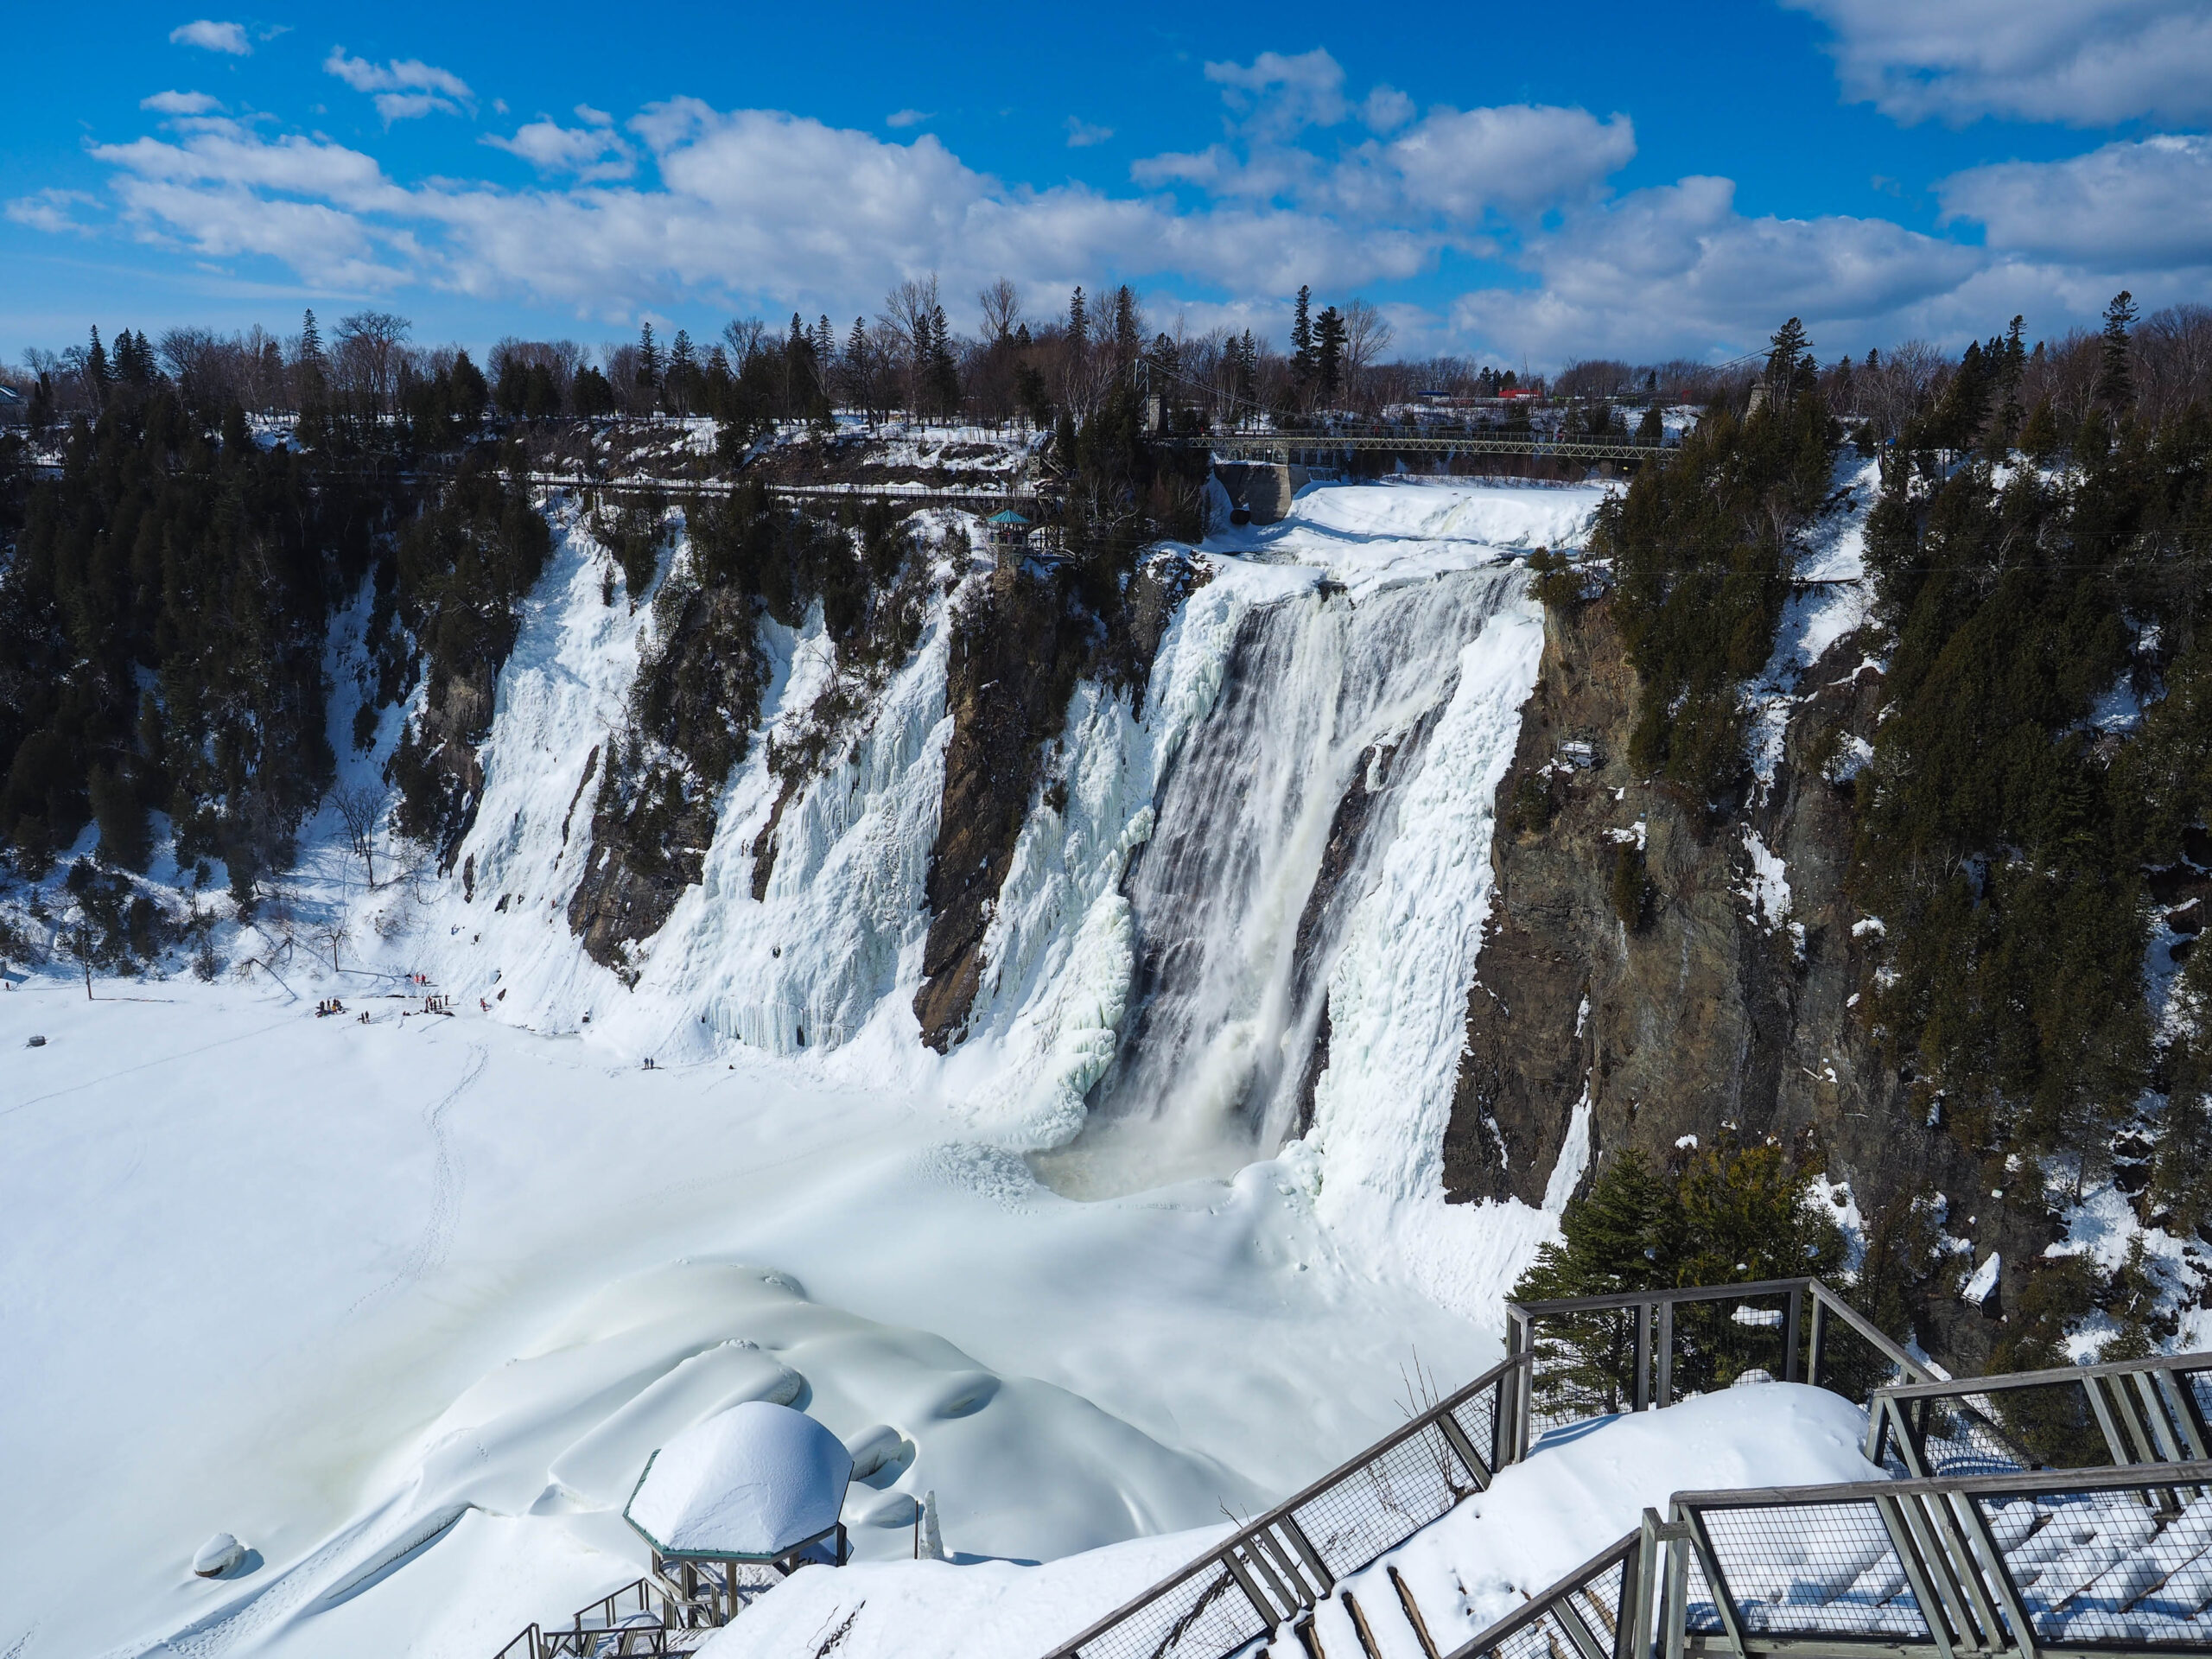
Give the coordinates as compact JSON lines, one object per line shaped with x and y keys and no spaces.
{"x":1646,"y":1581}
{"x":1790,"y":1326}
{"x":1642,"y":1355}
{"x":1674,"y":1609}
{"x":1666,"y":1354}
{"x":1819,"y":1331}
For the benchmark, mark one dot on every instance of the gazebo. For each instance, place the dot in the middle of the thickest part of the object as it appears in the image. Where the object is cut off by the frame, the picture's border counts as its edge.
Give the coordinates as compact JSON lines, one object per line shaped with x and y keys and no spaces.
{"x":758,"y":1484}
{"x":1008,"y":529}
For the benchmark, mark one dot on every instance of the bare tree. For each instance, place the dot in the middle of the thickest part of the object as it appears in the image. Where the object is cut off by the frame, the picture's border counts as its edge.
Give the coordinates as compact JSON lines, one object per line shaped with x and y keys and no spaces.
{"x":370,"y":346}
{"x":1368,"y":334}
{"x":334,"y":933}
{"x":904,"y":323}
{"x":745,"y":336}
{"x":78,"y":942}
{"x":1001,"y":308}
{"x":361,"y":810}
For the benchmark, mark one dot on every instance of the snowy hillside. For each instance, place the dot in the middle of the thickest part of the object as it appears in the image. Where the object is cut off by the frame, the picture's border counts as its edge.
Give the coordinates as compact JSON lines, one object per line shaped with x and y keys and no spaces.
{"x":404,"y":1303}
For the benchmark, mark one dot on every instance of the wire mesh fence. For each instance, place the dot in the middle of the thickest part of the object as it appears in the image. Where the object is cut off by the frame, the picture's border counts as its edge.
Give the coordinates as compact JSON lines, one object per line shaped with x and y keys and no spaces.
{"x":2149,"y":1410}
{"x":1793,"y":1570}
{"x":2119,"y":1560}
{"x":1290,"y":1558}
{"x":2124,"y":1566}
{"x":1587,"y":1615}
{"x":1204,"y":1614}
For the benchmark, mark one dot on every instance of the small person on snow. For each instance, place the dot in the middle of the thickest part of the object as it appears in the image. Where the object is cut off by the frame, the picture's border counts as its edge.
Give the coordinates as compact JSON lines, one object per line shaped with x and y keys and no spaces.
{"x":483,"y":1005}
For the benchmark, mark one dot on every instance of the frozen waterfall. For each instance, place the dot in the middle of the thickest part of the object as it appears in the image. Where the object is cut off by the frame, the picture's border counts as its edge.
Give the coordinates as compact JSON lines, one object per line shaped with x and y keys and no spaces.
{"x":1268,"y":828}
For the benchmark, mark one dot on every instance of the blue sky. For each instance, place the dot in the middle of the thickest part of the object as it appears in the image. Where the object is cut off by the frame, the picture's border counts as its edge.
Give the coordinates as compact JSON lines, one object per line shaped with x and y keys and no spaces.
{"x":1523,"y":184}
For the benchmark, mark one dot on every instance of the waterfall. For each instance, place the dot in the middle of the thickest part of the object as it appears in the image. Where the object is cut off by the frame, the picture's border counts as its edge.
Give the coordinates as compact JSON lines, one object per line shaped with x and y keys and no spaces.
{"x":1267,"y":828}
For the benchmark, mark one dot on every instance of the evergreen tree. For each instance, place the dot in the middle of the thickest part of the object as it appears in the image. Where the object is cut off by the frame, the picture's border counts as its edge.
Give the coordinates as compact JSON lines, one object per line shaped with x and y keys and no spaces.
{"x":98,"y":375}
{"x":312,"y":372}
{"x":944,"y":370}
{"x":1790,"y":351}
{"x":2115,"y":371}
{"x":1078,"y":322}
{"x":649,"y":364}
{"x":2039,"y":437}
{"x":1302,"y":365}
{"x":682,"y":371}
{"x":126,"y":837}
{"x":1125,"y":326}
{"x":1329,"y":353}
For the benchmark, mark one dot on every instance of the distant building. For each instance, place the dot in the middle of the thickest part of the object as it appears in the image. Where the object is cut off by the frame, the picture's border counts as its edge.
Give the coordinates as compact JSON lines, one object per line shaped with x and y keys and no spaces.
{"x":15,"y":408}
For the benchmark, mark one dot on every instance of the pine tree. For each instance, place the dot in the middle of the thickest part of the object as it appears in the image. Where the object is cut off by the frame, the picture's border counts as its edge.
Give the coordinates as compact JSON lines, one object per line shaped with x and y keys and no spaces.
{"x":649,"y":364}
{"x":2039,"y":437}
{"x":860,"y":384}
{"x":1791,"y":352}
{"x":2115,"y":373}
{"x":943,"y":370}
{"x":1125,"y":326}
{"x":1301,"y":341}
{"x":1078,"y":322}
{"x":1329,"y":353}
{"x":126,"y":836}
{"x":97,"y":372}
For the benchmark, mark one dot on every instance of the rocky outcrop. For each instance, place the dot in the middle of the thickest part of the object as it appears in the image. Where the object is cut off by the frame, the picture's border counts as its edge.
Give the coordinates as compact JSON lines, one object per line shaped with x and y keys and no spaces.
{"x":1691,"y":971}
{"x":1019,"y":645}
{"x":693,"y":708}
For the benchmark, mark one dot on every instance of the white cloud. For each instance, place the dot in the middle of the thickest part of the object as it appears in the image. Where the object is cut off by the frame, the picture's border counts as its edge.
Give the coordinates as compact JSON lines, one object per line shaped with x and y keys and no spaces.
{"x":2083,"y":63}
{"x":740,"y":196}
{"x":405,"y":88}
{"x":1676,"y":269}
{"x":905,"y":118}
{"x":179,"y":103}
{"x":212,"y":37}
{"x":1278,"y":95}
{"x":591,"y":153}
{"x":49,"y":211}
{"x":1081,"y":134}
{"x":2127,"y":205}
{"x":1385,"y":110}
{"x":1519,"y":157}
{"x":1455,"y":166}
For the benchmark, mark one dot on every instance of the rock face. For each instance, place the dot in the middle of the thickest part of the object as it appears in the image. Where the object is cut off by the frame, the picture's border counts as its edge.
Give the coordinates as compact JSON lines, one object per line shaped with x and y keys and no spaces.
{"x":1716,"y":994}
{"x":692,"y":712}
{"x":1019,"y":646}
{"x":1017,"y":650}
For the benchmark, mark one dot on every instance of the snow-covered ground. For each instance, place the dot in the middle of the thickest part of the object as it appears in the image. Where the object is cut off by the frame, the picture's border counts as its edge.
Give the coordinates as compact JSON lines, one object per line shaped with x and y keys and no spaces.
{"x":404,"y":1305}
{"x":1540,"y":1520}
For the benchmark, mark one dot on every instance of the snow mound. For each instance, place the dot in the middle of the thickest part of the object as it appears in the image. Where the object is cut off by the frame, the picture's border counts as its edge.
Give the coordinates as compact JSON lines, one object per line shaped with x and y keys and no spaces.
{"x":757,"y":1480}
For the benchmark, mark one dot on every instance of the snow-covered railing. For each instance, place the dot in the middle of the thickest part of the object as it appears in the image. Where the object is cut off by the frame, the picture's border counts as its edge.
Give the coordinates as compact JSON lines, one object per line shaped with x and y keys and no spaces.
{"x":1277,"y":1568}
{"x":2133,"y":1411}
{"x":1596,"y":1355}
{"x":2055,"y":1565}
{"x":672,"y":1609}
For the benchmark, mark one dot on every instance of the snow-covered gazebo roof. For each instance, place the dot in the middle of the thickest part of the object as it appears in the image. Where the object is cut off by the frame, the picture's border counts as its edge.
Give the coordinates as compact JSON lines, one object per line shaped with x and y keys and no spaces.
{"x":753,"y":1482}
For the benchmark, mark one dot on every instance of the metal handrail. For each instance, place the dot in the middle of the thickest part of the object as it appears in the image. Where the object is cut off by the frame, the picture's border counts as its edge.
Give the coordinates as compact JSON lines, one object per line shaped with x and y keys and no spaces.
{"x":1947,"y":1553}
{"x":2144,"y":1409}
{"x":1654,"y":1307}
{"x":1248,"y":1541}
{"x":1631,"y":1635}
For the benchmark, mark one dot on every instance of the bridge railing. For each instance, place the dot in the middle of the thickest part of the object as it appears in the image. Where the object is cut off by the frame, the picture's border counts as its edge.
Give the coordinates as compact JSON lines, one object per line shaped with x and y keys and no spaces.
{"x":1281,"y":1565}
{"x":2051,"y":1565}
{"x":1634,"y":1350}
{"x":2136,"y":1411}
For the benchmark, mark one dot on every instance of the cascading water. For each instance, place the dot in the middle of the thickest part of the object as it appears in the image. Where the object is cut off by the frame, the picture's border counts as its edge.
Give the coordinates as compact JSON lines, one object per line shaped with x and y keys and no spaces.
{"x":1266,"y":827}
